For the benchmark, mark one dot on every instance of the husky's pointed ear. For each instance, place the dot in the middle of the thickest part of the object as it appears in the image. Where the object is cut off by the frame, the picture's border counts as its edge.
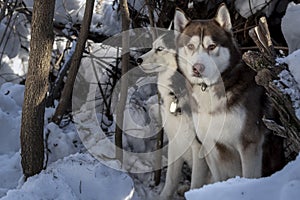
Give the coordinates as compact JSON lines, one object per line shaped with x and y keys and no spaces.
{"x":180,"y":20}
{"x":223,"y":17}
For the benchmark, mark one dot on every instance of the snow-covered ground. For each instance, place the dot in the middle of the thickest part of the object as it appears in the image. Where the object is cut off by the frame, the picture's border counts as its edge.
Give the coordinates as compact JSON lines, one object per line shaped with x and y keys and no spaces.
{"x":283,"y":185}
{"x":78,"y":176}
{"x":72,"y":172}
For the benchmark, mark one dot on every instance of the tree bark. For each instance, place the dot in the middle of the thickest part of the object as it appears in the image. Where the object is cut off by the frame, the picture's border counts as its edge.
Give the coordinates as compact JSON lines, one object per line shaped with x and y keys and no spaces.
{"x":65,"y":99}
{"x":124,"y":83}
{"x":36,"y":87}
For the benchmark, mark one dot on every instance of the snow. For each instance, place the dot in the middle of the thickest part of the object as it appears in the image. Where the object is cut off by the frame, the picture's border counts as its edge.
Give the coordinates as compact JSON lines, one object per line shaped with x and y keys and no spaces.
{"x":106,"y":20}
{"x":293,"y":61}
{"x":78,"y":176}
{"x":11,"y":97}
{"x":10,"y":171}
{"x":291,"y":79}
{"x":69,"y":175}
{"x":16,"y":33}
{"x":72,"y":173}
{"x":290,"y":26}
{"x":291,"y":32}
{"x":14,"y":59}
{"x":80,"y":162}
{"x":61,"y":142}
{"x":13,"y":70}
{"x":65,"y":10}
{"x":140,"y":126}
{"x":283,"y":185}
{"x":250,"y":7}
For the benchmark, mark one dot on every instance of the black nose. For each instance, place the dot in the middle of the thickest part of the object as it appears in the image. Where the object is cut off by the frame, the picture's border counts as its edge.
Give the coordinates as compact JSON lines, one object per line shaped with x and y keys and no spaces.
{"x":139,"y":61}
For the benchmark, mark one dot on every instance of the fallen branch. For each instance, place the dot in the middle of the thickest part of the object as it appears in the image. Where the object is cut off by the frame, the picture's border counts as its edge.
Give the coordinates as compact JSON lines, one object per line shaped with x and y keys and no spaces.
{"x":264,"y":64}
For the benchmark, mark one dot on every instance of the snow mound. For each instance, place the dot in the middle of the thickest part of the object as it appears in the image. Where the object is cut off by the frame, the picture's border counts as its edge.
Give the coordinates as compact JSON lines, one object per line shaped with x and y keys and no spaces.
{"x":14,"y":91}
{"x":290,"y":26}
{"x":61,"y":142}
{"x":76,"y":177}
{"x":107,"y":21}
{"x":248,"y":8}
{"x":11,"y":97}
{"x":291,"y":79}
{"x":10,"y":171}
{"x":293,"y":61}
{"x":283,"y":185}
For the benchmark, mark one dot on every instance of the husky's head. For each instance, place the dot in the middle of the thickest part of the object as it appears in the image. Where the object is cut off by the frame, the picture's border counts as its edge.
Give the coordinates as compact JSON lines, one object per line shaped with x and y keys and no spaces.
{"x":161,"y":57}
{"x":205,"y":48}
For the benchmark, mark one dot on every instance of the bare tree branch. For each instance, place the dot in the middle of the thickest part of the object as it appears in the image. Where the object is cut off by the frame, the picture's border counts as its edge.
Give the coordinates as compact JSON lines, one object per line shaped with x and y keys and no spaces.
{"x":75,"y":63}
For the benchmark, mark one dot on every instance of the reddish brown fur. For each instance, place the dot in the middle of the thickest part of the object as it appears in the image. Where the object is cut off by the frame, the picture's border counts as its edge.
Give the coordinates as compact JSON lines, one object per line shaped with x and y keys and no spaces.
{"x":240,"y":88}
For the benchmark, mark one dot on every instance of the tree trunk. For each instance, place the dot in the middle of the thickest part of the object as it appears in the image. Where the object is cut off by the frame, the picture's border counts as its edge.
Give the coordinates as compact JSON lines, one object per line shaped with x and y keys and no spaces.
{"x":65,"y":99}
{"x":36,"y":87}
{"x":124,"y":84}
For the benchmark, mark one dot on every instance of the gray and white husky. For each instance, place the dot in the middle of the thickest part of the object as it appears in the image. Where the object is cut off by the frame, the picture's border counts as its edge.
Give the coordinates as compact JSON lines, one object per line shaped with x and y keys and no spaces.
{"x":229,"y":105}
{"x":176,"y":115}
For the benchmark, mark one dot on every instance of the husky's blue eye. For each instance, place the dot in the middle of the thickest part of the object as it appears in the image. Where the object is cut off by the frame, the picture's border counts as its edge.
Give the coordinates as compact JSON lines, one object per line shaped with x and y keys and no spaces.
{"x":159,"y":49}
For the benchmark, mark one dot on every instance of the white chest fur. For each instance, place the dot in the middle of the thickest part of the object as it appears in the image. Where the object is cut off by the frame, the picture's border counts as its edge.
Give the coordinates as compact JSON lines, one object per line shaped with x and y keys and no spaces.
{"x":214,"y":122}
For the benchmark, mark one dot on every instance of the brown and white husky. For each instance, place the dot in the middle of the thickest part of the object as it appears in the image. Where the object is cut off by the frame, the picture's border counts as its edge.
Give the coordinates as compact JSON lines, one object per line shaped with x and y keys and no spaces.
{"x":229,"y":105}
{"x":176,"y":115}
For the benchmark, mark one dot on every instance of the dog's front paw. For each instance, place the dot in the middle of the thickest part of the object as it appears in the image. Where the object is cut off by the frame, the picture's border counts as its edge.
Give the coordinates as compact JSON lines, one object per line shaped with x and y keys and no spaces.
{"x":182,"y":189}
{"x":165,"y":195}
{"x":162,"y":197}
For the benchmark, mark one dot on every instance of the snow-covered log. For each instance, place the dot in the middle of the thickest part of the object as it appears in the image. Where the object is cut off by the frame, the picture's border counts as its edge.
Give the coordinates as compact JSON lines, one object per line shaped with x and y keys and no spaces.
{"x":281,"y":88}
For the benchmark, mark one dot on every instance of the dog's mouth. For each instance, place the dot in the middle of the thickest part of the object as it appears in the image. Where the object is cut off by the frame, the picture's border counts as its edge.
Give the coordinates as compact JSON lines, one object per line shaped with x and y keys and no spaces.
{"x":196,"y":73}
{"x":149,"y":70}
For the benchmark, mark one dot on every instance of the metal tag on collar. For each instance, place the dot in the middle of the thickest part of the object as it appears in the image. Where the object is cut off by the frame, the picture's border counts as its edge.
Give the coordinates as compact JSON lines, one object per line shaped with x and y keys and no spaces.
{"x":203,"y":86}
{"x":173,"y":107}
